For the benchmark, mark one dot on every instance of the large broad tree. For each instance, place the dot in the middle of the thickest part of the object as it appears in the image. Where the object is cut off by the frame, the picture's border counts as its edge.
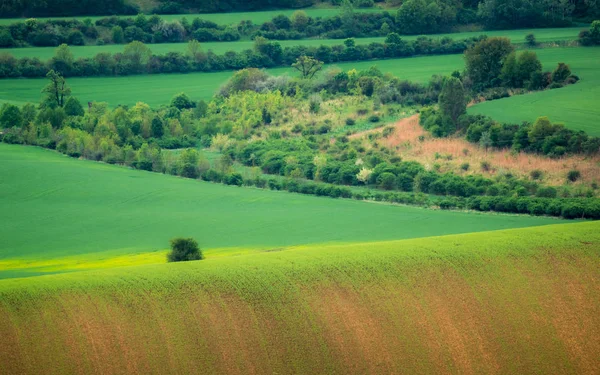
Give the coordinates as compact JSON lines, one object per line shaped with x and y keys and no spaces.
{"x":56,"y":90}
{"x":485,"y":61}
{"x":452,"y":99}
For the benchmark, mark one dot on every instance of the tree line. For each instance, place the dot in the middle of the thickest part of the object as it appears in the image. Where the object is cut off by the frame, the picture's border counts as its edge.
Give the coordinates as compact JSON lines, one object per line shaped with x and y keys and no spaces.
{"x":413,"y":16}
{"x":137,"y":58}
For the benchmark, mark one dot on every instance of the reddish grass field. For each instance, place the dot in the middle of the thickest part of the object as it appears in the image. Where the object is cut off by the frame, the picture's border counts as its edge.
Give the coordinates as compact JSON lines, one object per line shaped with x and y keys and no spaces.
{"x":506,"y":302}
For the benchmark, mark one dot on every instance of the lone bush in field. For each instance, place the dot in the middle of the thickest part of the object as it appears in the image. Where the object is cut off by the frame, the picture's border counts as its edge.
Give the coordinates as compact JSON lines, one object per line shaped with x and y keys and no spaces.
{"x":184,"y":249}
{"x":573,"y":175}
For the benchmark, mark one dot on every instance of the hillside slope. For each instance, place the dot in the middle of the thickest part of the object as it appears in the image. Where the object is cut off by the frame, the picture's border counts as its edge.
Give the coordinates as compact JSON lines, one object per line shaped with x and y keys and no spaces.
{"x":505,"y":302}
{"x":77,"y":208}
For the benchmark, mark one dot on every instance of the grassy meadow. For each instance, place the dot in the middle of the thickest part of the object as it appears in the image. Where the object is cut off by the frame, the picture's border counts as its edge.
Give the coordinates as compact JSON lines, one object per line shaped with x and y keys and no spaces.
{"x":516,"y":36}
{"x":577,"y":106}
{"x":513,"y":301}
{"x":61,"y":214}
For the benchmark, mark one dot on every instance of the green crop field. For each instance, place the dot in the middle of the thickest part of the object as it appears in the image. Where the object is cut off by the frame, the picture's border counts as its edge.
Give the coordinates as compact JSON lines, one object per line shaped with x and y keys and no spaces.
{"x":54,"y":208}
{"x":517,"y":301}
{"x":159,"y":89}
{"x":517,"y":36}
{"x":222,"y":18}
{"x":577,"y":106}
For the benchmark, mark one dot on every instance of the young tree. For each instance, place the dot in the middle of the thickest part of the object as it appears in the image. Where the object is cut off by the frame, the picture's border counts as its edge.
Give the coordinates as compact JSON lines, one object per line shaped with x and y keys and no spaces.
{"x":73,"y":107}
{"x":182,"y":101}
{"x":63,"y":60}
{"x":184,"y":249}
{"x":452,"y":99}
{"x":510,"y":75}
{"x":157,"y":127}
{"x":117,"y":35}
{"x":138,"y":54}
{"x":57,"y":90}
{"x":201,"y":109}
{"x":527,"y":64}
{"x":485,"y":61}
{"x":299,"y":20}
{"x":561,"y":73}
{"x":194,"y":50}
{"x":10,"y":116}
{"x":307,"y":66}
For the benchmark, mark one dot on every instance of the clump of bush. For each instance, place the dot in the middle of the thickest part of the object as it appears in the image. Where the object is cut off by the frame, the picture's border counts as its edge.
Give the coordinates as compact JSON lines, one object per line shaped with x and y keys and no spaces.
{"x":536,"y":174}
{"x":573,"y":175}
{"x":184,"y":249}
{"x":374,"y":118}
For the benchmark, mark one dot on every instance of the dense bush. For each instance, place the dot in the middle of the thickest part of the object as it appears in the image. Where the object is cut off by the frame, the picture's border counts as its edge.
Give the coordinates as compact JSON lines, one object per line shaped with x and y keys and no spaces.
{"x":184,"y":249}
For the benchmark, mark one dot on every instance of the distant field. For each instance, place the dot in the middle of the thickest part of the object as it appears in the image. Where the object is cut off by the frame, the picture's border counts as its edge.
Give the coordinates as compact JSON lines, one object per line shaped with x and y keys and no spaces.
{"x":222,"y":18}
{"x":159,"y":89}
{"x":519,"y":301}
{"x":517,"y":36}
{"x":577,"y":106}
{"x":54,"y":207}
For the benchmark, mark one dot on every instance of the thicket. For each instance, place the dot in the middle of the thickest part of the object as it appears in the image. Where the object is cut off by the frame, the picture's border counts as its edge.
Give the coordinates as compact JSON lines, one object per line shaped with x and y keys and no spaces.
{"x":137,"y":58}
{"x":591,"y":37}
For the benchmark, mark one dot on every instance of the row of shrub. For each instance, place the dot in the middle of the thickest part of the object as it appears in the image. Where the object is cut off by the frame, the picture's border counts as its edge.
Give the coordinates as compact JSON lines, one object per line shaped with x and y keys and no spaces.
{"x":137,"y":58}
{"x":560,"y":207}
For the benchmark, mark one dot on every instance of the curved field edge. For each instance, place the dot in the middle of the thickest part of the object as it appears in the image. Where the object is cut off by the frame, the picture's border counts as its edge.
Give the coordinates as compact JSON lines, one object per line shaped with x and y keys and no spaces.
{"x":513,"y":301}
{"x":80,"y":208}
{"x":576,"y":106}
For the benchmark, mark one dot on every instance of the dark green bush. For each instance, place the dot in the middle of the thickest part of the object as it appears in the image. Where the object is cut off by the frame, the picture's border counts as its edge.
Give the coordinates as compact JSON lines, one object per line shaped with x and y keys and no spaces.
{"x":184,"y":249}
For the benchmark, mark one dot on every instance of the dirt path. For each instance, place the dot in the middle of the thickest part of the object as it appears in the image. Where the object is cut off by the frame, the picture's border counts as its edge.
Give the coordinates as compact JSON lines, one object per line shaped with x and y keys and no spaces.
{"x":400,"y":126}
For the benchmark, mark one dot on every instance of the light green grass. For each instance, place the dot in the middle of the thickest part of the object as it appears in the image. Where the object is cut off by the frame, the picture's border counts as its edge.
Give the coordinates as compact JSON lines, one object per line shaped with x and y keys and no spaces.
{"x":577,"y":106}
{"x":53,"y":207}
{"x":512,"y":302}
{"x":221,"y":18}
{"x":516,"y":36}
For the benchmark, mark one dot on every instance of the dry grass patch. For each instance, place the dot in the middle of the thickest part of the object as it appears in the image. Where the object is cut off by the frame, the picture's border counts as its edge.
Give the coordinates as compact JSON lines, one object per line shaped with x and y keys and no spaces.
{"x":412,"y":142}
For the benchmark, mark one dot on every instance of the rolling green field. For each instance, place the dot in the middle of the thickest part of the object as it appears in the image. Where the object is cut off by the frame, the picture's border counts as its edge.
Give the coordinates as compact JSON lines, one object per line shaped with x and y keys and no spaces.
{"x":60,"y":214}
{"x":516,"y":36}
{"x":222,"y":18}
{"x":517,"y":301}
{"x":577,"y":106}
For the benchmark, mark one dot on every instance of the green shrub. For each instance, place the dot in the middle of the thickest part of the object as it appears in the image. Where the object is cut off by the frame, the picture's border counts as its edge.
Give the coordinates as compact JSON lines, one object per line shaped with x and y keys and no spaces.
{"x":573,"y":175}
{"x":350,"y":121}
{"x":536,"y":174}
{"x":546,"y":192}
{"x":184,"y":249}
{"x":374,"y":118}
{"x":465,"y":166}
